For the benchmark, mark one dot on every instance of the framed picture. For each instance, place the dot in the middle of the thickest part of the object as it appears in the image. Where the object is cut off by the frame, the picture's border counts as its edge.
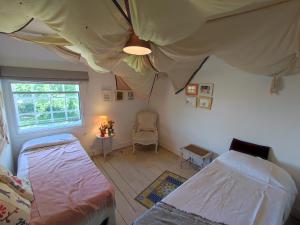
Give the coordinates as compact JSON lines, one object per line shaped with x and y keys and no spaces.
{"x":206,"y":89}
{"x":204,"y":102}
{"x":107,"y":95}
{"x":191,"y":101}
{"x":130,"y":95}
{"x":119,"y":95}
{"x":192,"y":89}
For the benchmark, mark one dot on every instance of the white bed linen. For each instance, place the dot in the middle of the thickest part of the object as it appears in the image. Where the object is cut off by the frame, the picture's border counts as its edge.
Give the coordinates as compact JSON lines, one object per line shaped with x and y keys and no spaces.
{"x":237,"y":189}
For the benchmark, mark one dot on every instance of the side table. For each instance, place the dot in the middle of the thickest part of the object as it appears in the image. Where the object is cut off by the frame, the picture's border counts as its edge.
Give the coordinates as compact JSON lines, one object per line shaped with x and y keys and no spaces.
{"x":105,"y":144}
{"x":195,"y":155}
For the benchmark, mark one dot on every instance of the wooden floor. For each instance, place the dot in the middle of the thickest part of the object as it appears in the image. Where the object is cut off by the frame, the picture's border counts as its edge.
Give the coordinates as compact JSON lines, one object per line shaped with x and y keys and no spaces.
{"x":132,"y":173}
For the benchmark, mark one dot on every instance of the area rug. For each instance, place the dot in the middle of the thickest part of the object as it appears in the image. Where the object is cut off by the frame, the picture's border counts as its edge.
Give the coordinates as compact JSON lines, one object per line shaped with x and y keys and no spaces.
{"x":160,"y":188}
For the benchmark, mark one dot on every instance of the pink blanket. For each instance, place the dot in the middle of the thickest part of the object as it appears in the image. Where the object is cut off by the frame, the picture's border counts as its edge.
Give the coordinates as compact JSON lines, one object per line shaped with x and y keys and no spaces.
{"x":67,"y":186}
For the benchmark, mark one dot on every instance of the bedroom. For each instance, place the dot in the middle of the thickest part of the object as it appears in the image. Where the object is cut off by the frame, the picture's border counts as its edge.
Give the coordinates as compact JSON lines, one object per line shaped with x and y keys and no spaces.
{"x":242,"y":106}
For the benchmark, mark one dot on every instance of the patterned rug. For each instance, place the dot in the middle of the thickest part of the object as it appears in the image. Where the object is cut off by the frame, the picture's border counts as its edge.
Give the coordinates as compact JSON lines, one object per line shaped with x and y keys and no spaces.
{"x":160,"y":188}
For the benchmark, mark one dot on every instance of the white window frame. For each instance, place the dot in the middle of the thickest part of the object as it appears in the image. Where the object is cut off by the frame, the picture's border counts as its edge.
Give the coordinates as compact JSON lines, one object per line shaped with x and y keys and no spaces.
{"x":42,"y":128}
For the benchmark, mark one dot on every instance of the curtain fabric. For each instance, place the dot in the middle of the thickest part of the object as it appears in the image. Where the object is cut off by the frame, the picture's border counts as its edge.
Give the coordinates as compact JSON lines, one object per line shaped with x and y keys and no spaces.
{"x":258,"y":36}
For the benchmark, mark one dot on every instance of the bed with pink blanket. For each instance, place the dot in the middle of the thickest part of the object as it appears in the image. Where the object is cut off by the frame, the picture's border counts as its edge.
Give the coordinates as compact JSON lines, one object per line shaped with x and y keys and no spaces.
{"x":68,"y":188}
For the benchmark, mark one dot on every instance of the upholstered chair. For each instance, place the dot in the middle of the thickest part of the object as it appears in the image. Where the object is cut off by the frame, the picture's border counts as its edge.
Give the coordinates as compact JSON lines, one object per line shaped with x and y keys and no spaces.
{"x":145,"y":130}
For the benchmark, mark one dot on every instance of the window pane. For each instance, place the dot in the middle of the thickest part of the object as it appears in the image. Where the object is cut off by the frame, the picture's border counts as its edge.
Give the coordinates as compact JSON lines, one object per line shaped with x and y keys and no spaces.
{"x":44,"y":118}
{"x":40,"y":96}
{"x":23,"y":96}
{"x":72,"y":87}
{"x":73,"y":116}
{"x":72,"y":103}
{"x":56,"y":87}
{"x":58,"y":117}
{"x":40,"y":87}
{"x":26,"y":120}
{"x":21,"y":87}
{"x":58,"y":104}
{"x":43,"y":105}
{"x":71,"y":95}
{"x":25,"y":106}
{"x":37,"y":109}
{"x":58,"y":95}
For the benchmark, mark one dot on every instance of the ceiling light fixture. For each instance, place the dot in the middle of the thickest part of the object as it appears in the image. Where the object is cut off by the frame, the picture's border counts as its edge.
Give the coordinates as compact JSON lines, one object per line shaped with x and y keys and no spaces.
{"x":136,"y":46}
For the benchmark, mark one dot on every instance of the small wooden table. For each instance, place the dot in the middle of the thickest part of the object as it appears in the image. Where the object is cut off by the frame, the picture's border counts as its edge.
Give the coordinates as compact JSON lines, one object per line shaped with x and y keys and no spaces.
{"x":195,"y":155}
{"x":105,"y":144}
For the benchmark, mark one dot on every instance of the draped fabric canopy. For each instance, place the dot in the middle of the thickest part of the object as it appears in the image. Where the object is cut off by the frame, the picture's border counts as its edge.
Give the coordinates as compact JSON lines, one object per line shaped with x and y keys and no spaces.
{"x":258,"y":36}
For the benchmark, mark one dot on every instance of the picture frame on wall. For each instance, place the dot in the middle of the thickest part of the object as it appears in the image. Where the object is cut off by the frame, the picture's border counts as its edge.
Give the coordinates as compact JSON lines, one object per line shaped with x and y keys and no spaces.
{"x":107,"y":95}
{"x":204,"y":102}
{"x":119,"y":96}
{"x":192,"y":89}
{"x":206,"y":89}
{"x":130,"y":95}
{"x":191,"y":101}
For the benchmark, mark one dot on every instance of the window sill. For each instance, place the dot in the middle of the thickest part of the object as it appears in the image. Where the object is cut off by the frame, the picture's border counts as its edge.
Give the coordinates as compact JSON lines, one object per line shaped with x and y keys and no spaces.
{"x":48,"y":128}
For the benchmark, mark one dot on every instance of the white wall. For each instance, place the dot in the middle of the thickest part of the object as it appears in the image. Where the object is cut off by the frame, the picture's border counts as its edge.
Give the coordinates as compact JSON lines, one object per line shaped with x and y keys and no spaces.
{"x":123,"y":113}
{"x":242,"y":108}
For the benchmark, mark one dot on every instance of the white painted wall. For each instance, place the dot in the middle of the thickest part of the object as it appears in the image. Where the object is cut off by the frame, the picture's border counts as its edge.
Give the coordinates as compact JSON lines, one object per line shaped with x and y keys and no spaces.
{"x":123,"y":113}
{"x":242,"y":108}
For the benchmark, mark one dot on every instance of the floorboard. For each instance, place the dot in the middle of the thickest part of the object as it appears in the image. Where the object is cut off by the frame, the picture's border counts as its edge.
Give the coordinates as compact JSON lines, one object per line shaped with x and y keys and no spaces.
{"x":131,"y":173}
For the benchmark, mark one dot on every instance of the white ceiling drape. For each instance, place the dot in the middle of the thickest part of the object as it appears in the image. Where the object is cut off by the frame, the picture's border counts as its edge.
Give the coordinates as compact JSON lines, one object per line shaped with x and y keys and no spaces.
{"x":258,"y":36}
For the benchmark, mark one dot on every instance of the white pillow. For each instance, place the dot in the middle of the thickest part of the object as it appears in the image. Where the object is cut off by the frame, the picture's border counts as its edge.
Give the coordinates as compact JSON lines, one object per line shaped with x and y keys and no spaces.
{"x":259,"y":169}
{"x":57,"y":139}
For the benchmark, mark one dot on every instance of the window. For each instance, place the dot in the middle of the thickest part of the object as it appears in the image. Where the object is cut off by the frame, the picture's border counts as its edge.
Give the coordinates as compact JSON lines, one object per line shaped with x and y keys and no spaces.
{"x":44,"y":105}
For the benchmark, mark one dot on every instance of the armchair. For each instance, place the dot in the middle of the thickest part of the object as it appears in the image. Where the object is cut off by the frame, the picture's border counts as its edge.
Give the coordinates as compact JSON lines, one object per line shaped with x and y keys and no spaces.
{"x":145,"y":130}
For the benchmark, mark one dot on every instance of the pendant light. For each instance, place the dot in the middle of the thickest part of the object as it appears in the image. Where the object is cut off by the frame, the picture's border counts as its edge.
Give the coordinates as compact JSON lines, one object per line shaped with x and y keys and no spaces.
{"x":136,"y":46}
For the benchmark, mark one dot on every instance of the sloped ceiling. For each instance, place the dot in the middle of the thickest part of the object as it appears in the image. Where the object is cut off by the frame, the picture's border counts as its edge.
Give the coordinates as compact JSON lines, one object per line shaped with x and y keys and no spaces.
{"x":25,"y":54}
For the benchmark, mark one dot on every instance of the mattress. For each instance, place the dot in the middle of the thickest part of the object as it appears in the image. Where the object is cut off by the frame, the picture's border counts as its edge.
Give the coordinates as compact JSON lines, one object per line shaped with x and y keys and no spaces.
{"x":68,"y":188}
{"x":237,"y":189}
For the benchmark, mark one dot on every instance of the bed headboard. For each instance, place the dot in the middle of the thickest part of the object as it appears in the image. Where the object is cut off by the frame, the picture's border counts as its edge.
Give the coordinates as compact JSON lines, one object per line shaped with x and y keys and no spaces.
{"x":250,"y":148}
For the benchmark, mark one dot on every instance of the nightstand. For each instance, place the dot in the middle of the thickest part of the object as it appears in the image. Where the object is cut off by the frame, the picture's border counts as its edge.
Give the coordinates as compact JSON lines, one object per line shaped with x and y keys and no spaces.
{"x":105,"y":144}
{"x":195,"y":155}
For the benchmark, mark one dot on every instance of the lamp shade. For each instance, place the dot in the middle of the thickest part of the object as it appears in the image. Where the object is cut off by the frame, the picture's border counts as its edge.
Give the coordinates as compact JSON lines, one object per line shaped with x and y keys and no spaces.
{"x":103,"y":120}
{"x":136,"y":46}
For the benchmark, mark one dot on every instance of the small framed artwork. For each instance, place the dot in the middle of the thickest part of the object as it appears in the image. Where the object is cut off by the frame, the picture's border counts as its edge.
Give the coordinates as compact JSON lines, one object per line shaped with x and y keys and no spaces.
{"x":107,"y":95}
{"x":206,"y":89}
{"x":204,"y":102}
{"x":119,"y":95}
{"x":191,"y":101}
{"x":192,"y":89}
{"x":130,"y":95}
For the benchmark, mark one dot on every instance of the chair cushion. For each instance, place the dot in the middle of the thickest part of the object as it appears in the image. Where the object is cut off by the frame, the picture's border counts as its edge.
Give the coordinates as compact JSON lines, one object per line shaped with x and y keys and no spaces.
{"x":145,"y":136}
{"x":146,"y":121}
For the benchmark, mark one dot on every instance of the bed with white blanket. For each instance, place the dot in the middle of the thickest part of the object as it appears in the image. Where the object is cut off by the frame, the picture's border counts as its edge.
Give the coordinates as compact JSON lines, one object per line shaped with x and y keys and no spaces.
{"x":235,"y":189}
{"x":68,"y":188}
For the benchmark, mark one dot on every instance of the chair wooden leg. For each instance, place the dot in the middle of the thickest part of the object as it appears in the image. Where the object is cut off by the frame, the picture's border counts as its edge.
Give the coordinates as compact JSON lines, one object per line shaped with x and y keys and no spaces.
{"x":156,"y":147}
{"x":133,"y":147}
